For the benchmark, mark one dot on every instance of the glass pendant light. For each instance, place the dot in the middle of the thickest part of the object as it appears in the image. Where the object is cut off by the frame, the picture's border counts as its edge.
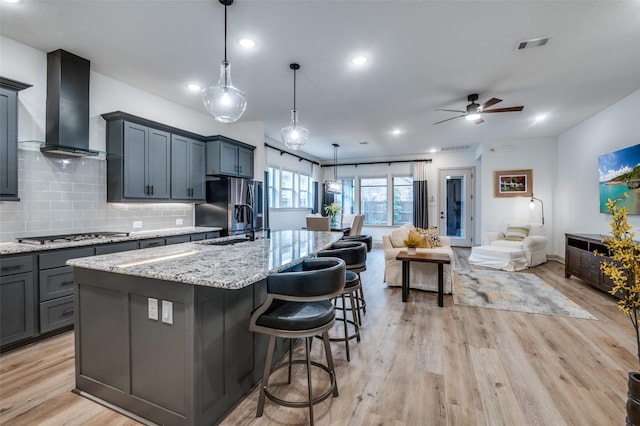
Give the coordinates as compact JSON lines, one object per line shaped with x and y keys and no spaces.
{"x":223,"y":101}
{"x":333,"y":186}
{"x":294,"y":135}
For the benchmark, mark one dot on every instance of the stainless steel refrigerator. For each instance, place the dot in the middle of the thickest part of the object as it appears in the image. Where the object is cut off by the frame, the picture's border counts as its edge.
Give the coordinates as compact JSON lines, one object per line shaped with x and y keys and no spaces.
{"x":234,"y":204}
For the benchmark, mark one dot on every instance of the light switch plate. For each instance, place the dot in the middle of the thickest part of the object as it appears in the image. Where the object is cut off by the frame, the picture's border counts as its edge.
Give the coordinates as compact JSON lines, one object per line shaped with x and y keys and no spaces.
{"x":153,"y":308}
{"x":167,"y":312}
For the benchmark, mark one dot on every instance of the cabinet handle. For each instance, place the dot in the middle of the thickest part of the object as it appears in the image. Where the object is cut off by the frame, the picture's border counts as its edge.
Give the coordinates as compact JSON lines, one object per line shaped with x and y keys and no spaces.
{"x":67,"y":313}
{"x":146,"y":190}
{"x":151,"y":189}
{"x":11,"y":268}
{"x":67,"y":283}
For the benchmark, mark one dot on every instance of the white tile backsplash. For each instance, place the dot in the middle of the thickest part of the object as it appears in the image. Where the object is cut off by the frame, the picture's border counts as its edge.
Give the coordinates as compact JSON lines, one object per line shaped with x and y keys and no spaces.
{"x":67,"y":195}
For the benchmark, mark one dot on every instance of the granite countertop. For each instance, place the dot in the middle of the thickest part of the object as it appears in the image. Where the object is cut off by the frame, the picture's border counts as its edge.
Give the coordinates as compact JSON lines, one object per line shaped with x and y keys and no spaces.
{"x":223,"y":266}
{"x":15,"y":248}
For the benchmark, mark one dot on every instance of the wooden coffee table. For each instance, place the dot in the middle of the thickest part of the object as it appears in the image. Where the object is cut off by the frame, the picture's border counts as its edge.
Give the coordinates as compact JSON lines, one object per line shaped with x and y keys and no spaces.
{"x":439,"y":258}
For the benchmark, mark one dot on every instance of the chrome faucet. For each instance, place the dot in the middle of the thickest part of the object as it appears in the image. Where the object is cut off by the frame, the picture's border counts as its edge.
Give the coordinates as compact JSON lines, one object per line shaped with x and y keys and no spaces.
{"x":251,"y":233}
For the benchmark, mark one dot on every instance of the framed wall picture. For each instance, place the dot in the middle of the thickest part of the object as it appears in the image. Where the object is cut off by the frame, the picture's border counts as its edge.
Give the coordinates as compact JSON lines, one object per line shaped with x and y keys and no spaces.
{"x":619,"y":174}
{"x":513,"y":183}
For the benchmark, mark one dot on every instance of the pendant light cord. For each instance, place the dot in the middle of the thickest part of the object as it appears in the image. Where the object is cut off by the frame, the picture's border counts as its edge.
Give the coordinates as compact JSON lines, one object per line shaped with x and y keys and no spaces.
{"x":294,"y":89}
{"x":225,"y":33}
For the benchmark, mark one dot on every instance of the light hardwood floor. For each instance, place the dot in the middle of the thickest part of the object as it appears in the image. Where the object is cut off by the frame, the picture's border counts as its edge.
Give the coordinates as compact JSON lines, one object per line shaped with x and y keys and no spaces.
{"x":417,"y":364}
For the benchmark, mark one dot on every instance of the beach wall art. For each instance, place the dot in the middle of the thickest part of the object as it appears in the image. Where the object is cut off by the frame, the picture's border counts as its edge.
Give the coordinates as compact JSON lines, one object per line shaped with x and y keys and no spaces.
{"x":619,"y":173}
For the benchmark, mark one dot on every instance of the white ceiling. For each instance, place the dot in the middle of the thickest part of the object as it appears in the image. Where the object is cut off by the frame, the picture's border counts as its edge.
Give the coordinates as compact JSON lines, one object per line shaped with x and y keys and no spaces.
{"x":423,"y":55}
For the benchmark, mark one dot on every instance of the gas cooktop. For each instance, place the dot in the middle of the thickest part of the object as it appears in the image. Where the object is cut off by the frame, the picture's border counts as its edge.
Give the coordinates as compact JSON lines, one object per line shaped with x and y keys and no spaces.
{"x":65,"y":238}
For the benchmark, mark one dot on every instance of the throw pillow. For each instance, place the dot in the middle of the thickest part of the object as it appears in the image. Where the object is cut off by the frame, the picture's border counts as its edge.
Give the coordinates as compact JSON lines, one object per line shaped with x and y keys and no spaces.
{"x":516,"y":232}
{"x":423,"y":241}
{"x":399,"y":235}
{"x":432,"y":234}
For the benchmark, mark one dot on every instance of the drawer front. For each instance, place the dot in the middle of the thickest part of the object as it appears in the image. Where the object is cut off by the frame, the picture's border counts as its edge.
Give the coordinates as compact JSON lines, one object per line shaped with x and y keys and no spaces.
{"x":214,"y":234}
{"x":59,"y":258}
{"x":178,"y":239}
{"x":56,"y":313}
{"x":155,"y":242}
{"x":57,"y":282}
{"x":15,"y":265}
{"x":198,"y":237}
{"x":117,"y":247}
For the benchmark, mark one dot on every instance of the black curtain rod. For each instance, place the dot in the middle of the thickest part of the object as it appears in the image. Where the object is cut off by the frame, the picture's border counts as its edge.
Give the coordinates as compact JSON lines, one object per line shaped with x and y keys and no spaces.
{"x":428,"y":160}
{"x":282,"y":152}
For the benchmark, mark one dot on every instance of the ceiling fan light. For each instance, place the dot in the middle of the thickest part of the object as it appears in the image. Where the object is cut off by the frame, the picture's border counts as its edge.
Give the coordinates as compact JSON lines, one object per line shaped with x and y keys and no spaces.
{"x":472,"y":117}
{"x":223,"y":101}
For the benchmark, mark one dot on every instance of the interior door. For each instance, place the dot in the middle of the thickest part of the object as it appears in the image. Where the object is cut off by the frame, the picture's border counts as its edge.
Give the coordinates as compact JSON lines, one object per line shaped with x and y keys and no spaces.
{"x":455,"y":205}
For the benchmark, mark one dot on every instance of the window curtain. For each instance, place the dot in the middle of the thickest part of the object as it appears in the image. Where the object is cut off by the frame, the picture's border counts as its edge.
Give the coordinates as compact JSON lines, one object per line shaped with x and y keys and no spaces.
{"x":420,"y":196}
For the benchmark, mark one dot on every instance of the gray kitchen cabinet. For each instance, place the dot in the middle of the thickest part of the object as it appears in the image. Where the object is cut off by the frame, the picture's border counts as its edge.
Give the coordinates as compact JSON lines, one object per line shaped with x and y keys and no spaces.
{"x":187,"y":169}
{"x":152,"y":242}
{"x":56,"y":287}
{"x":138,"y":162}
{"x":177,"y":239}
{"x":9,"y":138}
{"x":228,"y":157}
{"x":17,"y":296}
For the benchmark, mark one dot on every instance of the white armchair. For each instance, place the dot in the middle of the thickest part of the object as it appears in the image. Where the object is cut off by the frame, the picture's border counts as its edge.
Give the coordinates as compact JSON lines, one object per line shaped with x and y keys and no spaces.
{"x":534,"y":245}
{"x":423,"y":276}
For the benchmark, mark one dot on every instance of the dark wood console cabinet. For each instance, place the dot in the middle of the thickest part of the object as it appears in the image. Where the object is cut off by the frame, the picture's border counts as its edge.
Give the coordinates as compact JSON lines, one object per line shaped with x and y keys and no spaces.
{"x":580,"y":261}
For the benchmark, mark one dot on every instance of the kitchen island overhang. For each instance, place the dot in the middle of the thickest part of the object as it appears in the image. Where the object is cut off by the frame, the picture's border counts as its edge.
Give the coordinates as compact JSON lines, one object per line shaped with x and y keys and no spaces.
{"x":163,"y":333}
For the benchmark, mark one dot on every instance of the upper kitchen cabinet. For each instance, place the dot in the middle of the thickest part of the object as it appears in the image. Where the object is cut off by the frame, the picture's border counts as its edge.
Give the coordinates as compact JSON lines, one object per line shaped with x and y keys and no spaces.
{"x":187,"y":169}
{"x":9,"y":138}
{"x":138,"y":162}
{"x":228,"y":157}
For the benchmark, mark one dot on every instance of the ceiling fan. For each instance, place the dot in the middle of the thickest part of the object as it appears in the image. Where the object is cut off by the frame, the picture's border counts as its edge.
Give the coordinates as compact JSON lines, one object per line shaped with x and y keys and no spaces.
{"x":474,"y":110}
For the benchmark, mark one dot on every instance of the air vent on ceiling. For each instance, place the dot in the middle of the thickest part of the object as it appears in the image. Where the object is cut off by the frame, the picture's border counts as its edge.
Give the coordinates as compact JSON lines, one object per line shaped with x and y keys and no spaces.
{"x":455,"y":148}
{"x":534,"y":42}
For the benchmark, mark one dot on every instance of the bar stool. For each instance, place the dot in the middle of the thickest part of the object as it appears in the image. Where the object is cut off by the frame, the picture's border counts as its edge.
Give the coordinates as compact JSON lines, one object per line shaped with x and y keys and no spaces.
{"x":367,"y":239}
{"x":357,"y":265}
{"x":298,"y":305}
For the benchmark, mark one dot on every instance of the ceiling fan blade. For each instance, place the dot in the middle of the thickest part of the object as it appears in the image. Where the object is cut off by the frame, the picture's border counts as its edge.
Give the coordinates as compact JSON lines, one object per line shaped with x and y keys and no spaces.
{"x":490,"y":102}
{"x":457,"y":116}
{"x":510,"y":109}
{"x":451,"y":110}
{"x":479,"y":121}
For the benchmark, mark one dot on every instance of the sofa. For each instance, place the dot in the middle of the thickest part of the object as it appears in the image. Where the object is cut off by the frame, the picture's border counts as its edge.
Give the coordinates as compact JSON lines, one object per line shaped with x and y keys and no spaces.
{"x":534,"y":244}
{"x":423,"y":276}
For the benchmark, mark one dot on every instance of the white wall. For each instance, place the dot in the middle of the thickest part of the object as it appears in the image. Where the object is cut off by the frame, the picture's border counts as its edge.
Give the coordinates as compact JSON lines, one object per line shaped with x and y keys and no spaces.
{"x":576,"y":193}
{"x":43,"y":181}
{"x":539,"y":155}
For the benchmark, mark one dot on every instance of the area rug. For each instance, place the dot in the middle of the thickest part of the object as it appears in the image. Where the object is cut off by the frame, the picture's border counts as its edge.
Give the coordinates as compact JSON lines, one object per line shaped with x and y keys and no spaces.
{"x":513,"y":291}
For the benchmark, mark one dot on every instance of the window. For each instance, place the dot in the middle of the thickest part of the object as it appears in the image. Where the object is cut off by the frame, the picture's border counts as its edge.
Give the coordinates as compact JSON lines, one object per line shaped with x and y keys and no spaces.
{"x":286,"y":189}
{"x":346,"y":198}
{"x":289,"y":189}
{"x":402,"y":200}
{"x":373,"y":200}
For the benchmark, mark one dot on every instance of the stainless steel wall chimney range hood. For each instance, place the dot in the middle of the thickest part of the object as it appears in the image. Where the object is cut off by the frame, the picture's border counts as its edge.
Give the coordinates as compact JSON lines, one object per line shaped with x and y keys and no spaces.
{"x":67,"y":105}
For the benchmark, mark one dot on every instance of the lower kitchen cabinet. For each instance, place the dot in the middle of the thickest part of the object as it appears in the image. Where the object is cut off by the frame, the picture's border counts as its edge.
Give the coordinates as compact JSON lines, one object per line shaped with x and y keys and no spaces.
{"x":17,"y":316}
{"x":55,"y":314}
{"x":154,"y":242}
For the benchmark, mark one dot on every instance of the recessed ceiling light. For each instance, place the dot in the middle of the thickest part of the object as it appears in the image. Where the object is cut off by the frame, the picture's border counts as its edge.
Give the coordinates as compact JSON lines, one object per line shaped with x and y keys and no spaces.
{"x":540,"y":118}
{"x":12,"y":1}
{"x":432,"y":150}
{"x":396,"y":132}
{"x":359,"y":60}
{"x":247,"y":43}
{"x":194,"y":87}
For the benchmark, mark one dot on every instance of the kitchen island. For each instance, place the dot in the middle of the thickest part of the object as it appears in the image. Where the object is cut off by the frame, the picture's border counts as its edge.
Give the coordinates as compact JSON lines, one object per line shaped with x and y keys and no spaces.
{"x":162,"y":334}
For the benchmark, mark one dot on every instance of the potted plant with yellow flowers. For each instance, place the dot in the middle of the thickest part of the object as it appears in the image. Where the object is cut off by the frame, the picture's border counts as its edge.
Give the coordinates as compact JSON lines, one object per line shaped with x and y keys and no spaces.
{"x":412,"y":241}
{"x":332,"y":210}
{"x":622,"y":266}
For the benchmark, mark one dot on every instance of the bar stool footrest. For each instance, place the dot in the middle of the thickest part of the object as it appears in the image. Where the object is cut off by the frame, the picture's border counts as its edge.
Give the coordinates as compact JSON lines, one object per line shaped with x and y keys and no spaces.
{"x":302,"y":404}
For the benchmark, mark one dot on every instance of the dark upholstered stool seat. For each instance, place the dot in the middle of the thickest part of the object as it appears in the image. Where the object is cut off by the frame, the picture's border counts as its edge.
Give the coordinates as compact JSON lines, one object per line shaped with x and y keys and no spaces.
{"x":367,"y":239}
{"x":298,"y":305}
{"x":295,"y":316}
{"x":351,"y":279}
